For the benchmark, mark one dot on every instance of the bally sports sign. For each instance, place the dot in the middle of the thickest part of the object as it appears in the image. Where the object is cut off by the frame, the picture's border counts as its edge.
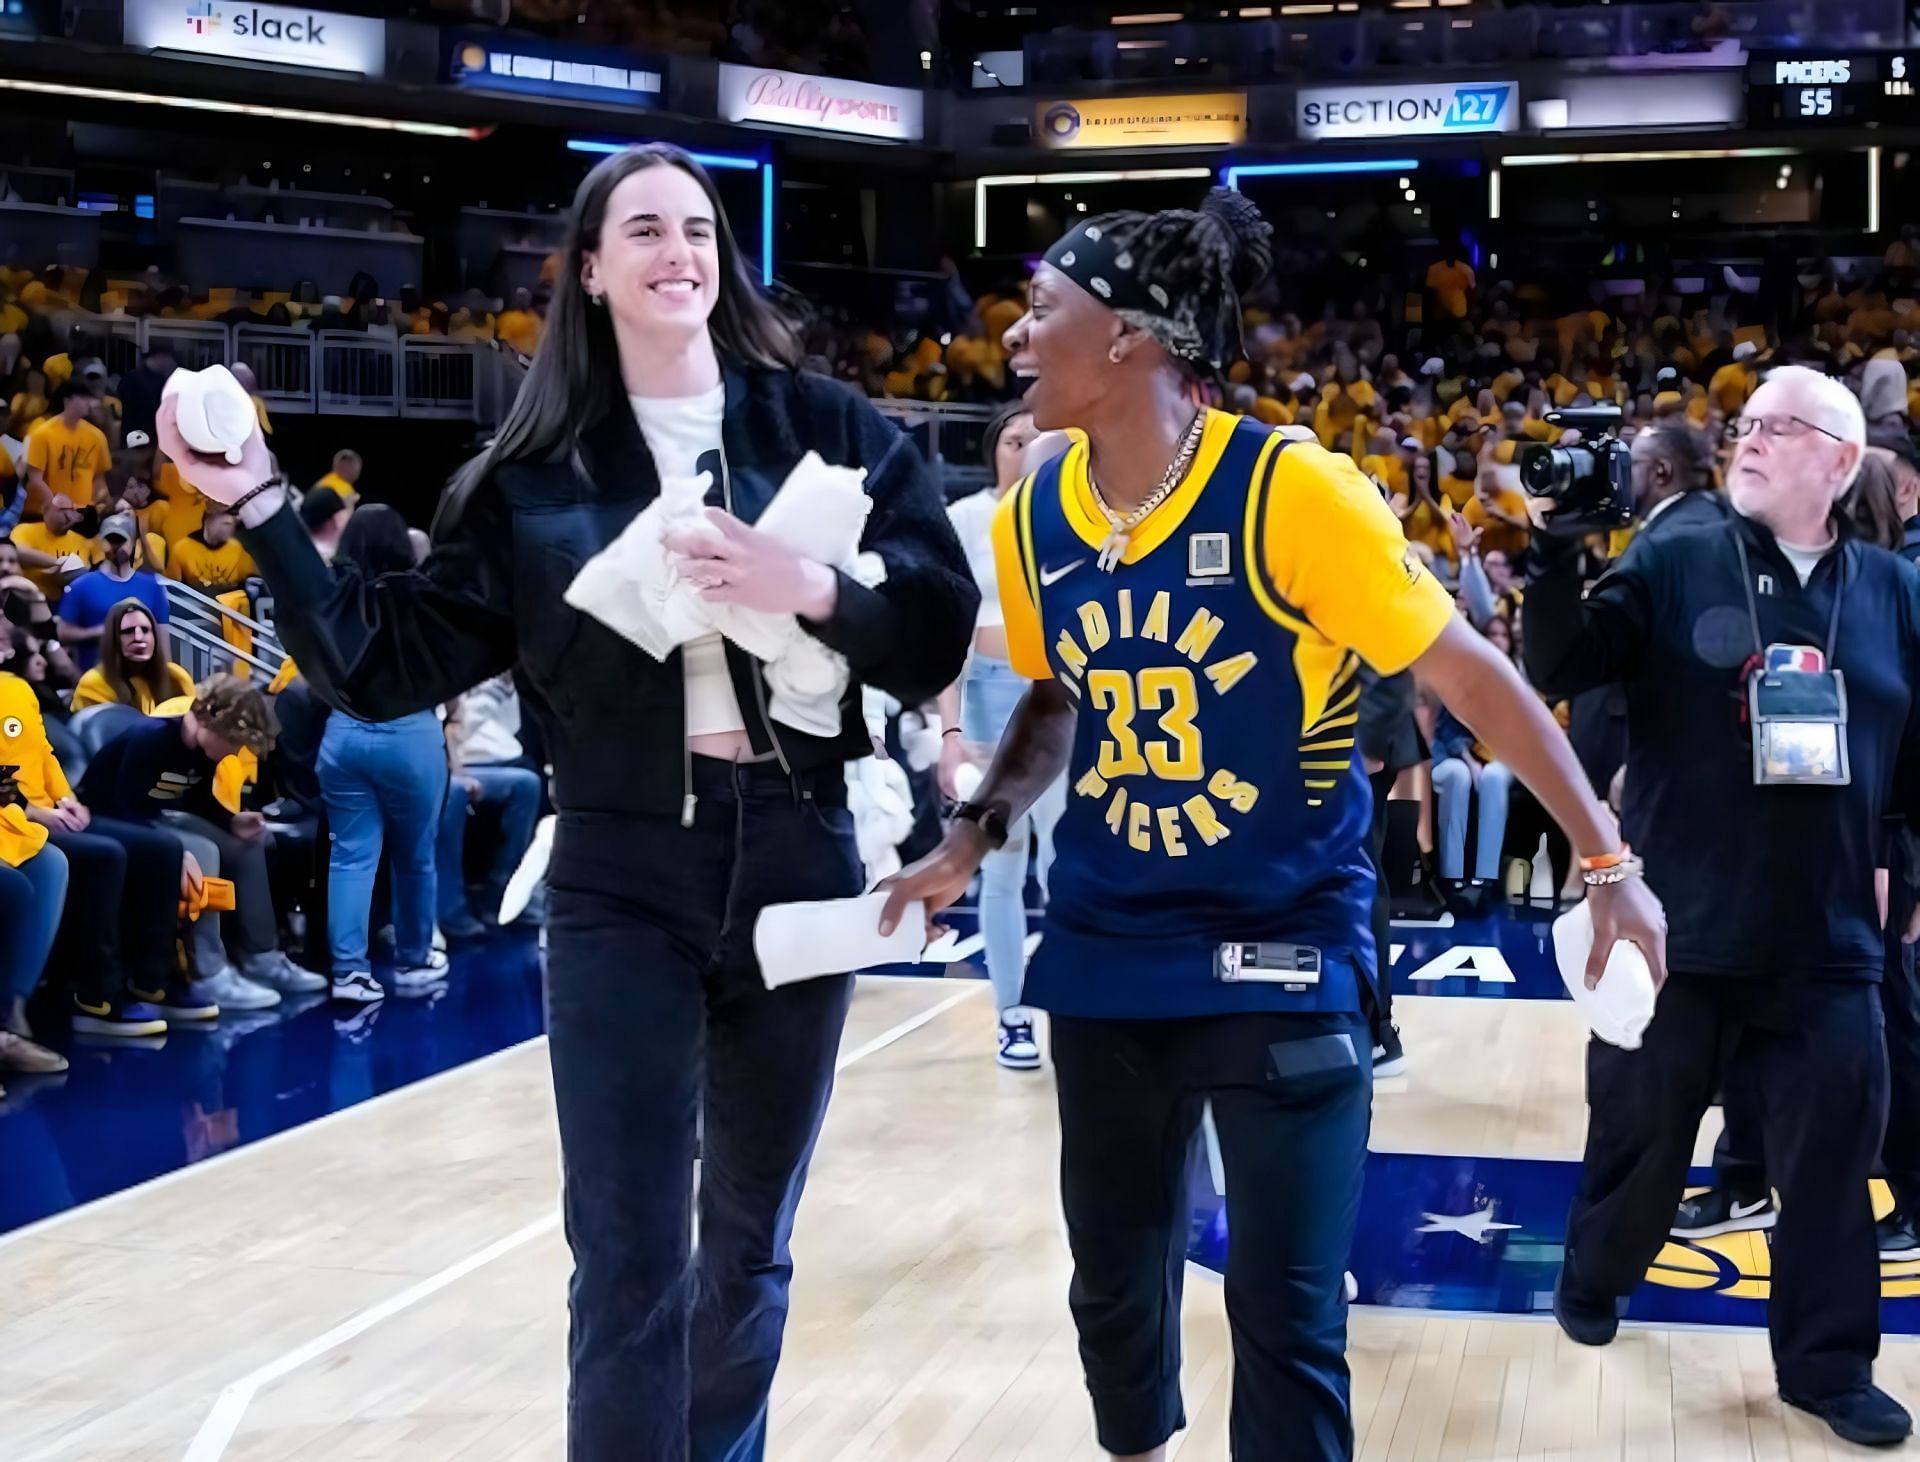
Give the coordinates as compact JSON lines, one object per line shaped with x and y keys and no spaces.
{"x":820,"y":103}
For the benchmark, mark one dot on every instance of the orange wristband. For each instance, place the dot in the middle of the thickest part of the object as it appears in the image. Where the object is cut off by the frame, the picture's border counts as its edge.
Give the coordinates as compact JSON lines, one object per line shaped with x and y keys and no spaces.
{"x":1605,"y":860}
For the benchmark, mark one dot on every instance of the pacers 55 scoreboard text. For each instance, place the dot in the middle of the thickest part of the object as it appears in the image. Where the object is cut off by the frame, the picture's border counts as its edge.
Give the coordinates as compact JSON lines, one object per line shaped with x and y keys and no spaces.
{"x":1813,"y":90}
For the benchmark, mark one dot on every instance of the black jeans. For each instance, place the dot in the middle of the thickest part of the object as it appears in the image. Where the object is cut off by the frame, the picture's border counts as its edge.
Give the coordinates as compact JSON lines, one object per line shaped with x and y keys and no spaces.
{"x":1739,"y":1160}
{"x":1292,"y":1097}
{"x":659,"y":1020}
{"x":123,"y":909}
{"x":1816,"y":1055}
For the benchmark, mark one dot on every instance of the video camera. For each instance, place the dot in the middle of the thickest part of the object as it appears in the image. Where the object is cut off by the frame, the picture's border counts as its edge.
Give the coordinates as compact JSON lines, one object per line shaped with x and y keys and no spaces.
{"x":1591,"y":484}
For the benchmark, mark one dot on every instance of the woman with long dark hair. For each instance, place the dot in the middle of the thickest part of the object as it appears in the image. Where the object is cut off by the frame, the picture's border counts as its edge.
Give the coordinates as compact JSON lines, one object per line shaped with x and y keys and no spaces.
{"x":132,"y":670}
{"x":684,"y":806}
{"x":1207,"y":590}
{"x":384,"y":783}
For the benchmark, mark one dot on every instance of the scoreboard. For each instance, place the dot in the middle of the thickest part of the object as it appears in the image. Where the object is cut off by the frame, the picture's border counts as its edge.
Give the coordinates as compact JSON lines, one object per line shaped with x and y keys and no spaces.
{"x":1811,"y":89}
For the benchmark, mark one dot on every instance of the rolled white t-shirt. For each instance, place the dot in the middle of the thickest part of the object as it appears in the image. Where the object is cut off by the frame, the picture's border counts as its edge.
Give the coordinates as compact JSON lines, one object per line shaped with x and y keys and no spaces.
{"x":683,"y":434}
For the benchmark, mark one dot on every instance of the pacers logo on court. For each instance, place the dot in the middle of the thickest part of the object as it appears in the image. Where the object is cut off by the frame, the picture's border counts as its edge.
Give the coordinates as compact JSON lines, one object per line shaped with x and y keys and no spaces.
{"x":1181,"y":796}
{"x":1740,"y":1265}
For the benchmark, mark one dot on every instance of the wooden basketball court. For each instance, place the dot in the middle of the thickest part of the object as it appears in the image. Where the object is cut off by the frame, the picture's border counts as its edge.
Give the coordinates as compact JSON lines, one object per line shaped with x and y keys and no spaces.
{"x":387,"y":1285}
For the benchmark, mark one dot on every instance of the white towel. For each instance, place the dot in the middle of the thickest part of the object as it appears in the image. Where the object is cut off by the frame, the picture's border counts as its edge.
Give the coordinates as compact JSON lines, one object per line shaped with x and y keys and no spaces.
{"x":633,"y":588}
{"x":1620,"y":1007}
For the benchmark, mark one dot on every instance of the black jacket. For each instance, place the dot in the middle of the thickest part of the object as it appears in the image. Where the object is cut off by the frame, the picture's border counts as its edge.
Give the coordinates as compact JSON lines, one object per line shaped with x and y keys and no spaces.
{"x":1598,"y":718}
{"x":1756,"y":880}
{"x":147,"y":770}
{"x":490,"y":598}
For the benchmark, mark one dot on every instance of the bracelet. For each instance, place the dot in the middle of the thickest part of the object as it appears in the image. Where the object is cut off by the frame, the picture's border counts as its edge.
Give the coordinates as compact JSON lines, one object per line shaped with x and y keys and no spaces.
{"x":246,"y":497}
{"x":1605,"y":860}
{"x":951,"y":731}
{"x":1627,"y":867}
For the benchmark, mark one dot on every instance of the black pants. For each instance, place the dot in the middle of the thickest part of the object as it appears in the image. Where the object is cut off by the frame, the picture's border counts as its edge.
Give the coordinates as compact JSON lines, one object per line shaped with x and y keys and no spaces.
{"x":658,"y":1016}
{"x":1291,"y":1099}
{"x":1739,"y":1159}
{"x":123,"y":908}
{"x":1815,"y":1051}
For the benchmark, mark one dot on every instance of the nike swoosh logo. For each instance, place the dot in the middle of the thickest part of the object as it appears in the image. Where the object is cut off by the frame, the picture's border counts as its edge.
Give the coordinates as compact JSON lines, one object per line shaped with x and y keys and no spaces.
{"x":1050,"y":577}
{"x":1747,"y":1210}
{"x":102,"y":1009}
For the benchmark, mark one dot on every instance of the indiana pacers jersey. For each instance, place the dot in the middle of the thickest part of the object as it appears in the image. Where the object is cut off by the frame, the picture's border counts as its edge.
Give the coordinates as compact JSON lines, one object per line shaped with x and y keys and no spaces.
{"x":1215,"y":796}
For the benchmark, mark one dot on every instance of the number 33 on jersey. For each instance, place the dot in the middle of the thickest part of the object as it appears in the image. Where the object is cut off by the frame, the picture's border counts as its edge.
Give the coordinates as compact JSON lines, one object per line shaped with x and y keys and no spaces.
{"x":1216,"y":671}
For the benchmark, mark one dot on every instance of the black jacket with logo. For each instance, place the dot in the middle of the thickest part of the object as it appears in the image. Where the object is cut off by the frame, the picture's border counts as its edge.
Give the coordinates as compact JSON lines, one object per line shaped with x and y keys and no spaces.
{"x":1756,"y":880}
{"x":490,"y":598}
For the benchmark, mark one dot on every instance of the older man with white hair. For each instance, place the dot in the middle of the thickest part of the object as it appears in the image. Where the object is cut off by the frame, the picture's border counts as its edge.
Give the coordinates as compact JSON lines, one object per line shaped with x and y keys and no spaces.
{"x":1769,"y":664}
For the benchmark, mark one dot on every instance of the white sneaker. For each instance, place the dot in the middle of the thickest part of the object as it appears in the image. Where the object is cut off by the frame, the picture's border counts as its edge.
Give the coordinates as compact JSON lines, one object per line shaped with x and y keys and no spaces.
{"x":231,"y":990}
{"x":274,"y":970}
{"x":1019,"y":1051}
{"x":358,"y":987}
{"x":433,"y":970}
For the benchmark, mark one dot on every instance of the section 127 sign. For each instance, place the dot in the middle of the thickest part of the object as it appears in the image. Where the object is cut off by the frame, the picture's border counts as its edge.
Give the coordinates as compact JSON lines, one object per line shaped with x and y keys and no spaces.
{"x":1334,"y":112}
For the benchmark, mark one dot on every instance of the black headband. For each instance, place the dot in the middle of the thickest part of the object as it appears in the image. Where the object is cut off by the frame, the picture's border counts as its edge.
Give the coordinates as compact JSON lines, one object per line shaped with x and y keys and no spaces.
{"x":1089,"y":256}
{"x":1093,"y":258}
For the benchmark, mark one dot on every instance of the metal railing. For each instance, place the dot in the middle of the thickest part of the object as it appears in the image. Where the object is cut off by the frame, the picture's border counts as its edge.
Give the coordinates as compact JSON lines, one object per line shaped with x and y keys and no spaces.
{"x":359,"y":374}
{"x":281,"y":359}
{"x":441,"y":379}
{"x":948,"y":433}
{"x":207,"y":636}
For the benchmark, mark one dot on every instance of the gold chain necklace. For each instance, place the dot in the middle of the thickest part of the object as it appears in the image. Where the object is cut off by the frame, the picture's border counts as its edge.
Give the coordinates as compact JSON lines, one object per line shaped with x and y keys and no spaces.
{"x":1121,"y":526}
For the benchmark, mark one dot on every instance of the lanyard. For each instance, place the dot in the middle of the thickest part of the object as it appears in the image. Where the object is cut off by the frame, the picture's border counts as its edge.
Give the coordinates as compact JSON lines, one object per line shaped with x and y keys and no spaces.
{"x":1753,"y":604}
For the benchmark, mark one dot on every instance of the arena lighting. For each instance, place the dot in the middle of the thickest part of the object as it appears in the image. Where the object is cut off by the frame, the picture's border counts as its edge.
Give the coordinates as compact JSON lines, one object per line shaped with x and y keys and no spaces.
{"x":1021,"y":180}
{"x":1493,"y":192}
{"x":1873,"y":189}
{"x":1165,"y":17}
{"x":723,"y":161}
{"x":1561,"y":159}
{"x":1233,"y":175}
{"x":246,"y":109}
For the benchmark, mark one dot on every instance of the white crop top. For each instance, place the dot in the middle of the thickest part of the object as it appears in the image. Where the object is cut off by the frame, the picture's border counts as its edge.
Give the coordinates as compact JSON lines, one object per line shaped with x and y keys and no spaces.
{"x":972,"y":519}
{"x":680,"y":431}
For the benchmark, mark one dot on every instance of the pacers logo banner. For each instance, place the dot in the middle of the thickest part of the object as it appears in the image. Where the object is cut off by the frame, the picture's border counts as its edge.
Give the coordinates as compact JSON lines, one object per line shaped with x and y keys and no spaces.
{"x":1218,"y":120}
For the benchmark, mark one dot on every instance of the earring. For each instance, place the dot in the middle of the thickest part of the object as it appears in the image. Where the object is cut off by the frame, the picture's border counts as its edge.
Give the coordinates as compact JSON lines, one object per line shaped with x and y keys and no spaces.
{"x":598,"y":301}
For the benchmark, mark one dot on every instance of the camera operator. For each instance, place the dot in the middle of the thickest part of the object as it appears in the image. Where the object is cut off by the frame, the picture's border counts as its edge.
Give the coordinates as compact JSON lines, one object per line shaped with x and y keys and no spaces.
{"x":1769,"y":665}
{"x":1672,"y":466}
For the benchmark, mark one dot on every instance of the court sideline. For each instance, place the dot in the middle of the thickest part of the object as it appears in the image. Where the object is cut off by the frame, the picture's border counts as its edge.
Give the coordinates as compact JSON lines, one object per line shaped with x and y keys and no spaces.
{"x":929,"y":1319}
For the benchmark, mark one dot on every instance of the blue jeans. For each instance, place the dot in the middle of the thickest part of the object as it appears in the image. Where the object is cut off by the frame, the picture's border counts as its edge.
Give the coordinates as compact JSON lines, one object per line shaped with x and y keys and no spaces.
{"x":384,"y":784}
{"x":658,"y":1020}
{"x":1452,"y":789}
{"x":1003,"y":893}
{"x":516,"y":792}
{"x":31,"y":898}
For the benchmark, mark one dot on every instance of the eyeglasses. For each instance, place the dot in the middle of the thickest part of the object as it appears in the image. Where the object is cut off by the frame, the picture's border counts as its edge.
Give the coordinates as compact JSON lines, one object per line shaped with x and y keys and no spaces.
{"x":1777,"y":427}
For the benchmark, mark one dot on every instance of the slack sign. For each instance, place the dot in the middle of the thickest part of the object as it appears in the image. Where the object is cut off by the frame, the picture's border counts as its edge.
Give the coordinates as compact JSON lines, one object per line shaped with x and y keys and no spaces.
{"x":283,"y":35}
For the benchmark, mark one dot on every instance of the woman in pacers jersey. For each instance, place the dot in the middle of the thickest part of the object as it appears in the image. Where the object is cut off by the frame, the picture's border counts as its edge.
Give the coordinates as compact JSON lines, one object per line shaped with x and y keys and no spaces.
{"x":1192,"y":598}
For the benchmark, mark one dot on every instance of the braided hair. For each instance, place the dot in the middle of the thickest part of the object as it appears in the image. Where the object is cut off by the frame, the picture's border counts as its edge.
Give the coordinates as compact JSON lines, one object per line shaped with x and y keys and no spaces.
{"x":1179,"y":274}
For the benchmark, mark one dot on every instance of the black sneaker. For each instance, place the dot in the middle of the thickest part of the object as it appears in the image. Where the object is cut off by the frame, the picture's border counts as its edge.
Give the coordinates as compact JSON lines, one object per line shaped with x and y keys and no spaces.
{"x":1719,"y":1211}
{"x":1899,"y":1240}
{"x":1865,"y":1416}
{"x":1584,"y":1322}
{"x":177,"y":1005}
{"x":1390,"y":1057}
{"x":108,"y":1017}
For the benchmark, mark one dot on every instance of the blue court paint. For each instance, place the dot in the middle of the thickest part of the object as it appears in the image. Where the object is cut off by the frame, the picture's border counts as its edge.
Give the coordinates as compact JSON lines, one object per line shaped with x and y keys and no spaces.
{"x":1503,"y":955}
{"x":126,"y":1113}
{"x":1487,"y":1234}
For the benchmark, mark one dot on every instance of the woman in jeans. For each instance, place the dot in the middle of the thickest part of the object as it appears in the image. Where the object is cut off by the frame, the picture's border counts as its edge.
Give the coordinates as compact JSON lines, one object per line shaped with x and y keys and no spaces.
{"x":384,"y":783}
{"x":973,"y":714}
{"x":1463,"y":772}
{"x":684,"y":807}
